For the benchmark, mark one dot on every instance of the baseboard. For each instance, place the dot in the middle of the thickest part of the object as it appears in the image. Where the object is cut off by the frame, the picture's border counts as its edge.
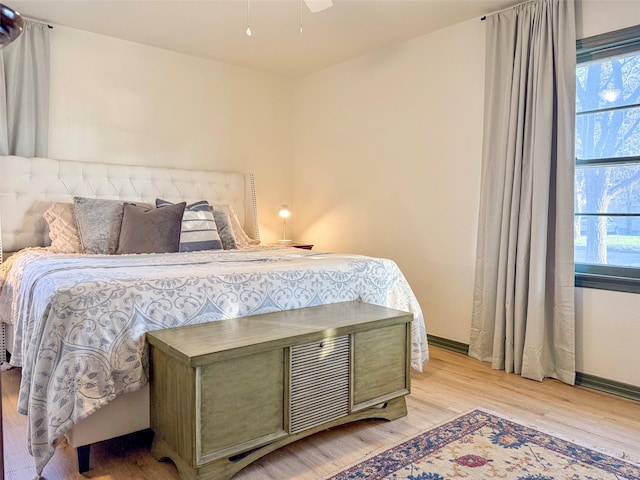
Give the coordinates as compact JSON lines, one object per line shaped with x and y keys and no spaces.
{"x":609,"y":386}
{"x":447,"y":344}
{"x":582,"y":379}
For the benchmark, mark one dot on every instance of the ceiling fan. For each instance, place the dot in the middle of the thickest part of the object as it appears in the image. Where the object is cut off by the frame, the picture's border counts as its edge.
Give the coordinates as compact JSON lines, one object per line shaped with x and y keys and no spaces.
{"x":314,"y":6}
{"x":318,"y":5}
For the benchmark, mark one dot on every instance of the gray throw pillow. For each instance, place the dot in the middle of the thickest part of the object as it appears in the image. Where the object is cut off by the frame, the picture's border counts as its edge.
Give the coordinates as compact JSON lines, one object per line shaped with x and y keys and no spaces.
{"x":151,"y":230}
{"x":225,"y":230}
{"x":99,"y":222}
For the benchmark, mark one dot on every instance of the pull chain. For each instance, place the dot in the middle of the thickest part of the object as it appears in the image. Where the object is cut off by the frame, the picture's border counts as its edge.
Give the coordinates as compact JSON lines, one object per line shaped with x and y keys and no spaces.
{"x":301,"y":10}
{"x":248,"y":19}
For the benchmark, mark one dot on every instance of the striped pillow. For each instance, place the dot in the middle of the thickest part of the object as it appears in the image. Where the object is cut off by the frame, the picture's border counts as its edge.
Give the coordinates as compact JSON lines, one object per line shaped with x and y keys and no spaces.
{"x":199,"y":230}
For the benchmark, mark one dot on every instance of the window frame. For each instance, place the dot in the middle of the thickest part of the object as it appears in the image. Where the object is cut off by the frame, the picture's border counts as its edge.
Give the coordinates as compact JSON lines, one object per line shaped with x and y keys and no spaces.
{"x":599,"y":47}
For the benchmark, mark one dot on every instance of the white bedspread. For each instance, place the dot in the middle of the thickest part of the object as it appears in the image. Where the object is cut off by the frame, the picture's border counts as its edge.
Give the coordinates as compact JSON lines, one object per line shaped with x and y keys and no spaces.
{"x":80,"y":320}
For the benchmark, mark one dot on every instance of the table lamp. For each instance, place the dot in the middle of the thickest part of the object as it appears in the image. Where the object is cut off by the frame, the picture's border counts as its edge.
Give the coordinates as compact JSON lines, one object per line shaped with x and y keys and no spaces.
{"x":284,"y":213}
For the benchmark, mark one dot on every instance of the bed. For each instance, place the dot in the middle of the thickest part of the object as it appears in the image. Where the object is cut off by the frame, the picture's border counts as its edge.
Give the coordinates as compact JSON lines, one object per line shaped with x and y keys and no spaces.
{"x":78,"y":321}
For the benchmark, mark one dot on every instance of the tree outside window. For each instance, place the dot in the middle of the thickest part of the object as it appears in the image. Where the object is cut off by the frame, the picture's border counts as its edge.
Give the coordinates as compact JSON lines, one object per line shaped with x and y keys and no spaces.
{"x":607,"y":185}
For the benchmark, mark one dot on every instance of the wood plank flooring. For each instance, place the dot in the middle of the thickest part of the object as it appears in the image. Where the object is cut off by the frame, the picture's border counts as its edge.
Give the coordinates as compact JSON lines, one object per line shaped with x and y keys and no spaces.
{"x":451,"y":384}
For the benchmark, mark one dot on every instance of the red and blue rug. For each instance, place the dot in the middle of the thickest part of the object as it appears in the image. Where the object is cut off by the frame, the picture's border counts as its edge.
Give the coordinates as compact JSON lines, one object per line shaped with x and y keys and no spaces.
{"x":481,"y":445}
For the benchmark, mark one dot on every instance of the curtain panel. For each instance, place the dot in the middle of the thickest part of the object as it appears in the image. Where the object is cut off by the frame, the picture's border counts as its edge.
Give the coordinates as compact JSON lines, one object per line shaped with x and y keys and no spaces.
{"x":24,"y":93}
{"x":523,"y":317}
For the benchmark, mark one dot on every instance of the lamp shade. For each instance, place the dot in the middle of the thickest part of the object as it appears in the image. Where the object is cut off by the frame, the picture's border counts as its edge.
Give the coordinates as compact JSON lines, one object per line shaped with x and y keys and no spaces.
{"x":284,"y":211}
{"x":11,"y":25}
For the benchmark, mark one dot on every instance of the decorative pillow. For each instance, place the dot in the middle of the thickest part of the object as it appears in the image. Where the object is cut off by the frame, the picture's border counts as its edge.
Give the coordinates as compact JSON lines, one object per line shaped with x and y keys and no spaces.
{"x":99,"y":222}
{"x":242,"y":239}
{"x":63,"y":229}
{"x":199,"y":230}
{"x":223,"y":222}
{"x":151,"y":230}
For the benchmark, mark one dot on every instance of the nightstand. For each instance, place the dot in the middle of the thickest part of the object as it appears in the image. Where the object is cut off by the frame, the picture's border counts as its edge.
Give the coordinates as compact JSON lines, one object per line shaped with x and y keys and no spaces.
{"x":305,"y":246}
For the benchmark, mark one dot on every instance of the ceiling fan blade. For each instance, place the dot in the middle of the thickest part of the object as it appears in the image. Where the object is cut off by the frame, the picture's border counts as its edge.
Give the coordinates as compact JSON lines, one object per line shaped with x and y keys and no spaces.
{"x":318,"y":5}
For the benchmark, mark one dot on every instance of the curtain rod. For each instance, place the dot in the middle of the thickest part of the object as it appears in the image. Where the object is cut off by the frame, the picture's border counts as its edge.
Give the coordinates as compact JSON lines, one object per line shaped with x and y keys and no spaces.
{"x":505,"y":9}
{"x":33,"y":20}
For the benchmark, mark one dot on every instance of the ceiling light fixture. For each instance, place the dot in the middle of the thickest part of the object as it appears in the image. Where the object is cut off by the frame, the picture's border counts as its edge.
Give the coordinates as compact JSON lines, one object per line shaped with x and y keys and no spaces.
{"x":610,"y":94}
{"x":11,"y":25}
{"x":318,"y":5}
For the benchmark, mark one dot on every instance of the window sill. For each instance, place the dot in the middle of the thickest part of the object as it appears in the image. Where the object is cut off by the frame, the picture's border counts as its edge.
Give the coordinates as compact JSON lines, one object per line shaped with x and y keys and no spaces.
{"x":607,"y":282}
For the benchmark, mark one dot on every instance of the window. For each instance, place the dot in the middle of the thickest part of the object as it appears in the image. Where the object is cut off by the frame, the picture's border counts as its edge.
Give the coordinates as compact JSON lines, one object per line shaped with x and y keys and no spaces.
{"x":607,"y":185}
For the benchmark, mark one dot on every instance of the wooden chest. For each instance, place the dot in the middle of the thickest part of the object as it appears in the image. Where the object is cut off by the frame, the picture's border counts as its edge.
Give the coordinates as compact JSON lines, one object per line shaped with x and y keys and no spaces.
{"x":223,"y":394}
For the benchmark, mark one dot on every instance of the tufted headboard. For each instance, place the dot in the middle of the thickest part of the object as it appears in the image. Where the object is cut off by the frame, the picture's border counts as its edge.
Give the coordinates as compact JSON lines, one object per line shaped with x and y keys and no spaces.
{"x":28,"y":186}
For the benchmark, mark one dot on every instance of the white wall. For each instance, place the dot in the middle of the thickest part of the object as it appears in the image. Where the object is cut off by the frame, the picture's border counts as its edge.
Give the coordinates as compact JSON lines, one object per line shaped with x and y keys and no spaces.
{"x":122,"y":102}
{"x":386,"y":162}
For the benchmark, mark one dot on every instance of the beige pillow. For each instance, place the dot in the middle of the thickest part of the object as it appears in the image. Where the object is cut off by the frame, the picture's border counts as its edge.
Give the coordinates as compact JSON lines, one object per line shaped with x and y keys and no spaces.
{"x":63,"y":228}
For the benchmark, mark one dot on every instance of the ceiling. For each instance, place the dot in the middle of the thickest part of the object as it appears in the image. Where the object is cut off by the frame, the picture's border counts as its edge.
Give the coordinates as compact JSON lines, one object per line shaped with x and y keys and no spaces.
{"x":215,"y":29}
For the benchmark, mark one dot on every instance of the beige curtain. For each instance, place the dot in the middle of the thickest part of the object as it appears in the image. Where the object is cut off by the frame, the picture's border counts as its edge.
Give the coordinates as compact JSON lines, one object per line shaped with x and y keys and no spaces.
{"x":523,"y":307}
{"x":24,"y":93}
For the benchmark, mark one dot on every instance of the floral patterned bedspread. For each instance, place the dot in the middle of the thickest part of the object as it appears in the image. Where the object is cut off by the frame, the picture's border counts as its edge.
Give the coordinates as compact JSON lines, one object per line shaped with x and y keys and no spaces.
{"x":80,"y":320}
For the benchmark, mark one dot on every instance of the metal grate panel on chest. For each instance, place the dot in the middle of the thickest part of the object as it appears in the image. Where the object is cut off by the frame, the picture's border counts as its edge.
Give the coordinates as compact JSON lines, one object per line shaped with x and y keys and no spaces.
{"x":319,"y":386}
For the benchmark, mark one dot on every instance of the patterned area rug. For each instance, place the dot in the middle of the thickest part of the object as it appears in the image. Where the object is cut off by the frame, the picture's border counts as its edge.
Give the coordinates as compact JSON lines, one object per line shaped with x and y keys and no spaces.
{"x":481,"y":445}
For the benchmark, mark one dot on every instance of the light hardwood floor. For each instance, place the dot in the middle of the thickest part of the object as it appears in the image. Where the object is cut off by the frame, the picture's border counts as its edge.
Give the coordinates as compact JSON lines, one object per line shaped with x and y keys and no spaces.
{"x":451,"y":384}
